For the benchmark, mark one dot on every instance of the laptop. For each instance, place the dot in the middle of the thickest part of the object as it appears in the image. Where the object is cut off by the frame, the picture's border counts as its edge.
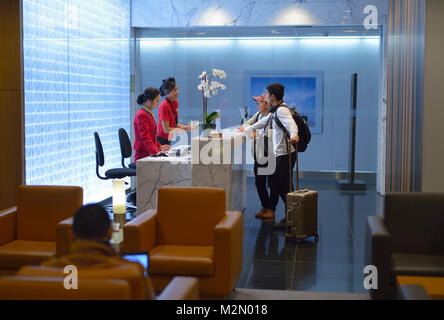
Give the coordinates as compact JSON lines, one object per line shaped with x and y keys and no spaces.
{"x":137,"y":256}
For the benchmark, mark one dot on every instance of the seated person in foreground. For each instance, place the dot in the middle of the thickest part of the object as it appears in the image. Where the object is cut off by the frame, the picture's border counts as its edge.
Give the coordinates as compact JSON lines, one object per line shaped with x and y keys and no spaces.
{"x":91,"y":247}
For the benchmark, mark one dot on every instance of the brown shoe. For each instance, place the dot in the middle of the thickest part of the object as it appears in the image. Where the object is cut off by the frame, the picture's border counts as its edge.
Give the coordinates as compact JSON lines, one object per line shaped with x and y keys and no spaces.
{"x":268,"y":215}
{"x":261,"y":213}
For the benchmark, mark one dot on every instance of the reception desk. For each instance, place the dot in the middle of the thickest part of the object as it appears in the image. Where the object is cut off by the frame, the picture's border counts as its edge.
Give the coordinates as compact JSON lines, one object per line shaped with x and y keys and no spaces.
{"x":213,"y":162}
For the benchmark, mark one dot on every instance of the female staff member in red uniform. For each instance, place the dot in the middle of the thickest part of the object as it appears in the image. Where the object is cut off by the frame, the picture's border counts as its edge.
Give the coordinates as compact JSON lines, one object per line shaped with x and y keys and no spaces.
{"x":145,"y":126}
{"x":167,"y":113}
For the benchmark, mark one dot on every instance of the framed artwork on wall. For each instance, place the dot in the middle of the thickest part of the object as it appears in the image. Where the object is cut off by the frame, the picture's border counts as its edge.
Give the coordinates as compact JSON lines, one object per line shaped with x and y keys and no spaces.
{"x":303,"y":90}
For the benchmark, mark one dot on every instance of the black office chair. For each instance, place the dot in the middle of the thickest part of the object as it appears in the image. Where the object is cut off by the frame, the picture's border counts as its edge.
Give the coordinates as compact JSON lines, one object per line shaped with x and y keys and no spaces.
{"x":125,"y":148}
{"x":117,"y":173}
{"x":126,"y":151}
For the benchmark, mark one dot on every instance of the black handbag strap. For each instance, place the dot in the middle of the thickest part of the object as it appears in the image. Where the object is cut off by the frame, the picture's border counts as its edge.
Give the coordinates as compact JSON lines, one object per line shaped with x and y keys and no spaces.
{"x":152,"y":117}
{"x":172,"y":110}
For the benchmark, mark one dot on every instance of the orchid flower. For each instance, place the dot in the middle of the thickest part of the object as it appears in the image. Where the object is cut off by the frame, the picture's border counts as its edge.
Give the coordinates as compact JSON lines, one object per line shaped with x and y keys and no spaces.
{"x":219,"y":73}
{"x":208,"y":86}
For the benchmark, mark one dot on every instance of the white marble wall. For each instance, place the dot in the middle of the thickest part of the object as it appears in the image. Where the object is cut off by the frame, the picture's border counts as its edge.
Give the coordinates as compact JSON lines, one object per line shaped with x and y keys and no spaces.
{"x":179,"y":13}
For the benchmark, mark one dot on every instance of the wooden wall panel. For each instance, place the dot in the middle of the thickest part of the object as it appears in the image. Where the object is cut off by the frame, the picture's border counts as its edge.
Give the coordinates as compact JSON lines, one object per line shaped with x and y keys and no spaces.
{"x":11,"y":102}
{"x":405,"y":91}
{"x":433,"y":133}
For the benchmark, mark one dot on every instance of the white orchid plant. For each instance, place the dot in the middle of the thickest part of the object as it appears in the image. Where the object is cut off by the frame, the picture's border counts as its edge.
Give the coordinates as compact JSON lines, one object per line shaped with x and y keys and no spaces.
{"x":208,"y":85}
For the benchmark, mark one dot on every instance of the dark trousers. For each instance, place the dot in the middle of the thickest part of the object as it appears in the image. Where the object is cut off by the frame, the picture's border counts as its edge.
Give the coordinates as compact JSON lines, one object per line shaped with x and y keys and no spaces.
{"x":280,"y":180}
{"x":163,"y":141}
{"x":262,"y":190}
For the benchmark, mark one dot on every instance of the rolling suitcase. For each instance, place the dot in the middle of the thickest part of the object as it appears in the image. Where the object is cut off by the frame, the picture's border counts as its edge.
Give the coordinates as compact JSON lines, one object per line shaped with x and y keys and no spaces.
{"x":302,"y":212}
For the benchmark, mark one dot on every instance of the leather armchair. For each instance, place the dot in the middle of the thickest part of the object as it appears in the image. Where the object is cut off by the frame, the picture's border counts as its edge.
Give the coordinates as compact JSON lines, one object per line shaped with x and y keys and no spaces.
{"x":127,"y":272}
{"x":190,"y":234}
{"x":39,"y":287}
{"x":408,"y":241}
{"x":28,"y":231}
{"x":51,"y":288}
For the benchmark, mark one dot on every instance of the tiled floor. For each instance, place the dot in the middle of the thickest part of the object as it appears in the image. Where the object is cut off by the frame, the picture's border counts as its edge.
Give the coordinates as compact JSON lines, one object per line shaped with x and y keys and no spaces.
{"x":333,"y":264}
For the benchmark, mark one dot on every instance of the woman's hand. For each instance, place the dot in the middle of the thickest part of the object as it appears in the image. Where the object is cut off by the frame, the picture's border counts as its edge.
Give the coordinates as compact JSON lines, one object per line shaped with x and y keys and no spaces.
{"x":183,"y":127}
{"x":241,"y":129}
{"x":165,"y":147}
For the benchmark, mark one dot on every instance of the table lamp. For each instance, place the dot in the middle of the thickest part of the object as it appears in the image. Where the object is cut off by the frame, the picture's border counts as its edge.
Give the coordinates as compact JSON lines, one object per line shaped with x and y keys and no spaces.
{"x":119,"y":201}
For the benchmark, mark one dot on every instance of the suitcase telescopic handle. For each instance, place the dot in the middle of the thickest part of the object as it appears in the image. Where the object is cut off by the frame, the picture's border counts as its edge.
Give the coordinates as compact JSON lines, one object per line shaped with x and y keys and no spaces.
{"x":290,"y":189}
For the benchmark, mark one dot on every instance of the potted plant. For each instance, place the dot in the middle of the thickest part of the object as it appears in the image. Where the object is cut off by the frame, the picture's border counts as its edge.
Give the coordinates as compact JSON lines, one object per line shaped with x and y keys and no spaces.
{"x":209,"y":120}
{"x":209,"y":87}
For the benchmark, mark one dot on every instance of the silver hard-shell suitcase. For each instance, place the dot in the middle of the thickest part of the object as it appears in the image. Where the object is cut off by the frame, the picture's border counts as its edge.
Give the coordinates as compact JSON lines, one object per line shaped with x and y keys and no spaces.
{"x":302,"y":212}
{"x":302,"y":215}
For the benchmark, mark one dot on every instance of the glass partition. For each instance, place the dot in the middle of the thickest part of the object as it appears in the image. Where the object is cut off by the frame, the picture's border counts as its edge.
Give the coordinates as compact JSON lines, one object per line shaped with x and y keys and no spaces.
{"x":314,"y":63}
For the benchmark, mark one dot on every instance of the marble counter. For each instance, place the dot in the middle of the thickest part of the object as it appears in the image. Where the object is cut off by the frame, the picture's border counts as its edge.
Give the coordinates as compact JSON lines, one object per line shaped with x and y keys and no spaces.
{"x":218,"y":162}
{"x":153,"y":173}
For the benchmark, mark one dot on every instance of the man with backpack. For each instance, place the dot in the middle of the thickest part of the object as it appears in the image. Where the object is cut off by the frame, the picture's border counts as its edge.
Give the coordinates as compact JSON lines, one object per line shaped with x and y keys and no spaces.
{"x":284,"y":136}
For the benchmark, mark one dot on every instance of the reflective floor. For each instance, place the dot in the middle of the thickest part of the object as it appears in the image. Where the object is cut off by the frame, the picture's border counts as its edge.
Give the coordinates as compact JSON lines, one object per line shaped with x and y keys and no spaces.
{"x":333,"y":264}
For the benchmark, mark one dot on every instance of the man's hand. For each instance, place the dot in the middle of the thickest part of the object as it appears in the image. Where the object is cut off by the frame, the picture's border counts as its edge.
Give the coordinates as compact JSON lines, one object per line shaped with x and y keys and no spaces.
{"x":294,"y":140}
{"x":165,"y":147}
{"x":241,"y":129}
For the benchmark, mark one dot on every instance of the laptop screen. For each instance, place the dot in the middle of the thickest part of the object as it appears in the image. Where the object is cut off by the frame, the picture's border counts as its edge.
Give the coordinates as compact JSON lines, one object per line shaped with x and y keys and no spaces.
{"x":141,"y":257}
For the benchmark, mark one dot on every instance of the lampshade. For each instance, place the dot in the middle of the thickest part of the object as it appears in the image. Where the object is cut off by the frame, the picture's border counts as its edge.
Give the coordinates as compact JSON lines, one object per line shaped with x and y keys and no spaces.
{"x":119,"y":201}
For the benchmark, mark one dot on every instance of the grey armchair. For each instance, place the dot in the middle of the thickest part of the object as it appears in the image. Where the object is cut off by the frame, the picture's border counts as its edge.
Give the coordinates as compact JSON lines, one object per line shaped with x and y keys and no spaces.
{"x":408,"y":241}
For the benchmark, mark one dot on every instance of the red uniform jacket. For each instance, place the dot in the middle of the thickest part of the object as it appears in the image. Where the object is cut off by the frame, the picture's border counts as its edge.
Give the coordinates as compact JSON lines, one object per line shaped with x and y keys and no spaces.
{"x":145,"y":142}
{"x":166,"y":113}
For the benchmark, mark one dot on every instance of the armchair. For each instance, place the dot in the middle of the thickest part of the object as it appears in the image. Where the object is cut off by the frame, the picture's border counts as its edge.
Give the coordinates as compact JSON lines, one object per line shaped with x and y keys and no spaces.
{"x":28,"y":231}
{"x":51,"y":288}
{"x":130,"y":273}
{"x":409,"y":240}
{"x":119,"y":283}
{"x":190,"y":234}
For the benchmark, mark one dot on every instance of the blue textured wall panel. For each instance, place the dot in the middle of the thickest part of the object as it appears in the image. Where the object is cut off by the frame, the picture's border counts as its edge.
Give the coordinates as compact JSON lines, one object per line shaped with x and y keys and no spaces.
{"x":76,"y":71}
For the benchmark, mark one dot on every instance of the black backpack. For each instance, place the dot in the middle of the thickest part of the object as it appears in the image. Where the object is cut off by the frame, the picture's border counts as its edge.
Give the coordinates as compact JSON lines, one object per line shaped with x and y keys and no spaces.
{"x":303,"y":129}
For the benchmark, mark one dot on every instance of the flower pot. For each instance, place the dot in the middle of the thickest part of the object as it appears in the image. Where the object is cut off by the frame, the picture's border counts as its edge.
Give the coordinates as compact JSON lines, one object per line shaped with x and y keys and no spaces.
{"x":205,"y":129}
